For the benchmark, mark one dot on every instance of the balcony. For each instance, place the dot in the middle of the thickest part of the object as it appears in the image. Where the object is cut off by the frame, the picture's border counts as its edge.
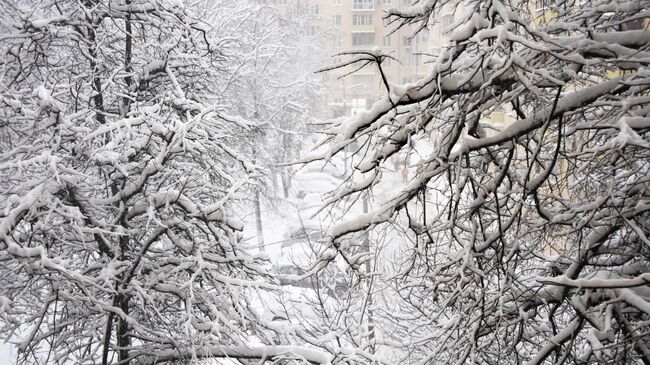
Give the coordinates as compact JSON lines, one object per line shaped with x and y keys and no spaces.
{"x":363,"y":5}
{"x":363,"y":28}
{"x":363,"y":39}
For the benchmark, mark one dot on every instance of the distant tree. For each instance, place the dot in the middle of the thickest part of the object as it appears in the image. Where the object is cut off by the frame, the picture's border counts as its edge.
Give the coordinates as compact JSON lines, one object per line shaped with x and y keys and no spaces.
{"x":287,"y":89}
{"x":279,"y":92}
{"x":526,"y":241}
{"x":122,"y":160}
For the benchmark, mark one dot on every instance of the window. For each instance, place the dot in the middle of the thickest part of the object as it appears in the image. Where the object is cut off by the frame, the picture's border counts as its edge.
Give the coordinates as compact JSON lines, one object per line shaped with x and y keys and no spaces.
{"x":386,"y":42}
{"x":447,"y":21}
{"x":362,"y":81}
{"x":386,"y":62}
{"x":363,"y":39}
{"x":338,"y":43}
{"x":336,"y":2}
{"x":312,"y":31}
{"x":422,"y":37}
{"x":406,"y":41}
{"x":386,"y":2}
{"x":498,"y":117}
{"x":337,"y":20}
{"x":418,"y":59}
{"x":314,"y":9}
{"x":362,"y":20}
{"x":415,"y":60}
{"x":359,"y":105}
{"x":362,"y":5}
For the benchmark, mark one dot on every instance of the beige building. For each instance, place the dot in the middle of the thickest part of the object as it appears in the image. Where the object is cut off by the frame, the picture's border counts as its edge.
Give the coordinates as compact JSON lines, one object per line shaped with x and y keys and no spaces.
{"x":349,"y":25}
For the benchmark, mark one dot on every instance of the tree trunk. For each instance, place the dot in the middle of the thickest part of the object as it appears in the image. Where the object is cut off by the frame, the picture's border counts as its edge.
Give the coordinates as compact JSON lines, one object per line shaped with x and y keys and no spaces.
{"x":286,"y":182}
{"x":366,"y":248}
{"x":274,"y":182}
{"x":123,"y":339}
{"x":258,"y":220}
{"x":286,"y":177}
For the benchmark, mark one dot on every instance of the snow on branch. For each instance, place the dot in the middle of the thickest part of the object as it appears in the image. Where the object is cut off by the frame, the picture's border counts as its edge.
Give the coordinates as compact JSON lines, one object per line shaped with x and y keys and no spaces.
{"x":597,"y":283}
{"x":262,"y":353}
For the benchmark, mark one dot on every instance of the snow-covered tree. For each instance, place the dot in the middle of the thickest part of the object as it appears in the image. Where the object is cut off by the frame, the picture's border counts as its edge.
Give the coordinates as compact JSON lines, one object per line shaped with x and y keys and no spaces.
{"x":288,"y":89}
{"x":528,"y":239}
{"x":121,"y":156}
{"x":277,"y":88}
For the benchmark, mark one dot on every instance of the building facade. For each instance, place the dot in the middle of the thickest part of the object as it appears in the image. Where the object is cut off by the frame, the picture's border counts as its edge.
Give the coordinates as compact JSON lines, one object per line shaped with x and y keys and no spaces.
{"x":355,"y":25}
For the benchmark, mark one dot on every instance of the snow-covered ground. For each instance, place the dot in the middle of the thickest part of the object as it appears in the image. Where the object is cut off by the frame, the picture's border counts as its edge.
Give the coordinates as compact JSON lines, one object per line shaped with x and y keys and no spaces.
{"x":294,"y":227}
{"x":7,"y":353}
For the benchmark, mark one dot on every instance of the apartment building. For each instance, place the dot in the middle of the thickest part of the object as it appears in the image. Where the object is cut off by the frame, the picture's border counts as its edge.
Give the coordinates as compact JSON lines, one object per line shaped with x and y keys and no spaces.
{"x":349,"y":25}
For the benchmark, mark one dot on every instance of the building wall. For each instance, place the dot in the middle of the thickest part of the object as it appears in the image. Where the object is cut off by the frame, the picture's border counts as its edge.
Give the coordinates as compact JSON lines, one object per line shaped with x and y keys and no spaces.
{"x":349,"y":25}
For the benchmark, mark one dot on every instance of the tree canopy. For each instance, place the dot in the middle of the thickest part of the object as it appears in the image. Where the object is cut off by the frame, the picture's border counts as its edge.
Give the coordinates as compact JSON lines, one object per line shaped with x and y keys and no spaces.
{"x":123,"y":167}
{"x":132,"y":133}
{"x":526,"y":239}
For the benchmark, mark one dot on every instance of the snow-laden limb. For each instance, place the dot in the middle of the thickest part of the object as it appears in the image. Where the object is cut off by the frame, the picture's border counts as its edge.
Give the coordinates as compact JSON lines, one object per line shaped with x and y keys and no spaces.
{"x":521,"y":233}
{"x":564,"y":335}
{"x":261,"y":353}
{"x":598,"y":283}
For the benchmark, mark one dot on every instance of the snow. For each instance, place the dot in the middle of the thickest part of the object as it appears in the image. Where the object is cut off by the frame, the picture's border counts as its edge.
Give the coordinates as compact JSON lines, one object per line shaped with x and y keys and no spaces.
{"x":566,"y":103}
{"x":465,"y":31}
{"x":598,"y":283}
{"x":243,"y":352}
{"x":634,"y":298}
{"x":45,"y":98}
{"x":41,"y":23}
{"x":627,"y":136}
{"x":151,"y":196}
{"x":27,"y":203}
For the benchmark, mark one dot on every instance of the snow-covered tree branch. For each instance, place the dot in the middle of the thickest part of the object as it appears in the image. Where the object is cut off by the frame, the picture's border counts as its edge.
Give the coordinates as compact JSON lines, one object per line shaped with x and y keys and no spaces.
{"x":122,"y":170}
{"x":527,"y":239}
